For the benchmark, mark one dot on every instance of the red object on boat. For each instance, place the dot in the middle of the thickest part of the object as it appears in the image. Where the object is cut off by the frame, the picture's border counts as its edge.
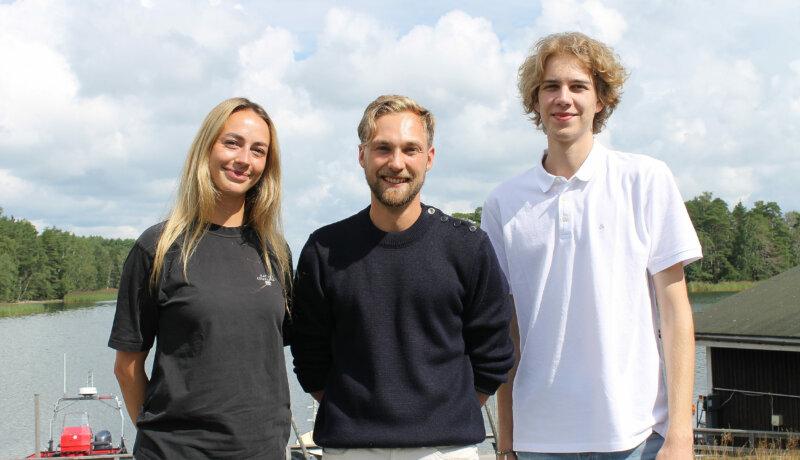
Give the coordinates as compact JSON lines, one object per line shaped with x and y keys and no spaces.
{"x":76,"y":439}
{"x":58,"y":454}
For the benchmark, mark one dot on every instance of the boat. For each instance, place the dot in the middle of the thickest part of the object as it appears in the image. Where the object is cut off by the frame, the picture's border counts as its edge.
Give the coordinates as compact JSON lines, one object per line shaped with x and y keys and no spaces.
{"x":78,"y":439}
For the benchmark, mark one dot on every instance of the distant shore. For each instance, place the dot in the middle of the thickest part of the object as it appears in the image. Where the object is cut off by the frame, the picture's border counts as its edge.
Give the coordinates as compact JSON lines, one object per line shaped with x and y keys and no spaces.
{"x":76,"y":297}
{"x":698,"y":287}
{"x":39,"y":306}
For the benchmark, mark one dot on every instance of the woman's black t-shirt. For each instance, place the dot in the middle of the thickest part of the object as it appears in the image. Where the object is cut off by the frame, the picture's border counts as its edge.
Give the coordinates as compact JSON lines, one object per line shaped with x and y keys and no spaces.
{"x":218,"y":387}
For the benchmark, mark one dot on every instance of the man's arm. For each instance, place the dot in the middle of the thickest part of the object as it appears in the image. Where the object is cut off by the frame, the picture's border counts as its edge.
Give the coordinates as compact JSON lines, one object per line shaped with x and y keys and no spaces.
{"x":312,"y":324}
{"x":485,"y":317}
{"x":505,"y":434}
{"x":677,"y":335}
{"x":129,"y":370}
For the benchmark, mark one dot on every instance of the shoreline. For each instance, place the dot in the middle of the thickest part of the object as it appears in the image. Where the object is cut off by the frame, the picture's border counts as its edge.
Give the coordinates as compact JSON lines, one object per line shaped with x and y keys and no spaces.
{"x":73,"y":297}
{"x":693,"y":287}
{"x":700,"y":287}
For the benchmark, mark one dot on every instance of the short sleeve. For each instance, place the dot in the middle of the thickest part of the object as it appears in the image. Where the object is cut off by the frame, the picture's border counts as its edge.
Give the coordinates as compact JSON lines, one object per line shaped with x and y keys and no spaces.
{"x":136,"y":318}
{"x":490,"y":223}
{"x":672,"y":235}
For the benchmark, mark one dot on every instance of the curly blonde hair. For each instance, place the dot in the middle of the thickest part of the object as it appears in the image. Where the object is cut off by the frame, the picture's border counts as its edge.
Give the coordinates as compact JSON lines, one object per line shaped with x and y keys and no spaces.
{"x":603,"y":64}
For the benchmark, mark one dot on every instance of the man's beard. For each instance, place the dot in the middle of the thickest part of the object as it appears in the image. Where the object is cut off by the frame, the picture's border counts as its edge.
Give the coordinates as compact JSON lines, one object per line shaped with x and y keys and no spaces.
{"x":391,"y":198}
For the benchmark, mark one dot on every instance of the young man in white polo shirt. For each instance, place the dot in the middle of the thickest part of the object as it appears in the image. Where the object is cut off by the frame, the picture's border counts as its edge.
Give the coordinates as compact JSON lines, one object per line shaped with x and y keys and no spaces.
{"x":593,"y":243}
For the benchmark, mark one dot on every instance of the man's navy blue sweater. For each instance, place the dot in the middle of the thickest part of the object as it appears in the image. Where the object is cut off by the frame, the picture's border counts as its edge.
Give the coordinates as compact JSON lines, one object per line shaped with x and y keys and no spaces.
{"x":400,"y":330}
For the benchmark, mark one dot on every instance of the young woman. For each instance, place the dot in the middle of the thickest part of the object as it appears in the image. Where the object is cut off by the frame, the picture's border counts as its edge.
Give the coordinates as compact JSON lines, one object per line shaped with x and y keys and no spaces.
{"x":210,"y":284}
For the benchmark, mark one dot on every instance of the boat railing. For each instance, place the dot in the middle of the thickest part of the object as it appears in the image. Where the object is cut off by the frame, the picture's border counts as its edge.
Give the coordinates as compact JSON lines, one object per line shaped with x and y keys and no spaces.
{"x":726,"y":438}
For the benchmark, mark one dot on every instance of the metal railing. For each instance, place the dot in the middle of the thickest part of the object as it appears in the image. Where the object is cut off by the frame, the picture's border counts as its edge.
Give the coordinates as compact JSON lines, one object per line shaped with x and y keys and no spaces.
{"x":702,"y":436}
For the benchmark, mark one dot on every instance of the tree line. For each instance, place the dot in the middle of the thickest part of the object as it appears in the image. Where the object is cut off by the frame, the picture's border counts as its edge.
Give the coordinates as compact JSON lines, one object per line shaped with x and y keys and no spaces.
{"x":742,"y":244}
{"x":739,"y":244}
{"x":47,"y":265}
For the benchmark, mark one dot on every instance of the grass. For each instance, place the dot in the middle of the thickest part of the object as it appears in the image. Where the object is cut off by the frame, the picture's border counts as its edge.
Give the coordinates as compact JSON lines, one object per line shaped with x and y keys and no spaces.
{"x":697,"y":287}
{"x":90,"y":296}
{"x":27,"y":302}
{"x":25,"y":308}
{"x":764,"y":449}
{"x":71,"y":300}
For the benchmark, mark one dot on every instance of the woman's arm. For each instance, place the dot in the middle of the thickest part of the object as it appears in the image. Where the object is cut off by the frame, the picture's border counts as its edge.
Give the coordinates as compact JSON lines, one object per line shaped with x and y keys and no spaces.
{"x":129,"y":370}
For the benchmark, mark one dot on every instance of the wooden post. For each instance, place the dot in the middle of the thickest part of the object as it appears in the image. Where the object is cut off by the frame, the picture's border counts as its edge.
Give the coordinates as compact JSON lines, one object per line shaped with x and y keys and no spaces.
{"x":36,"y":425}
{"x":300,"y":440}
{"x":492,"y":426}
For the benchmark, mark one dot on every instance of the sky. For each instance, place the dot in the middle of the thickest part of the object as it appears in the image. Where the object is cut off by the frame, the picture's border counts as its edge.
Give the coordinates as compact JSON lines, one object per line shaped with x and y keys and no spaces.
{"x":99,"y":101}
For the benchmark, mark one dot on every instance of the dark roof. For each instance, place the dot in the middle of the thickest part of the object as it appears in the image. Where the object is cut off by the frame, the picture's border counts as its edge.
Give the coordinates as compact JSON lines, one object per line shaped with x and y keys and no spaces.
{"x":769,"y":310}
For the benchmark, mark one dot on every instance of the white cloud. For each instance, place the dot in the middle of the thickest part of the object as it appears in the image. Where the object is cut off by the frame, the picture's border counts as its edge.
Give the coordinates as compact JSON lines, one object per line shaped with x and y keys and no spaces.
{"x":684,"y":131}
{"x":459,"y":59}
{"x":733,"y":184}
{"x":13,"y":187}
{"x":264,"y":64}
{"x":590,"y":17}
{"x":108,"y":231}
{"x":97,"y":213}
{"x":101,"y":104}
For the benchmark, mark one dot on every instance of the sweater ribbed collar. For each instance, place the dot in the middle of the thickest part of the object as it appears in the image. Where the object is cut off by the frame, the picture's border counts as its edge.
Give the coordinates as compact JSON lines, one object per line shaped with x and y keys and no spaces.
{"x":404,"y":238}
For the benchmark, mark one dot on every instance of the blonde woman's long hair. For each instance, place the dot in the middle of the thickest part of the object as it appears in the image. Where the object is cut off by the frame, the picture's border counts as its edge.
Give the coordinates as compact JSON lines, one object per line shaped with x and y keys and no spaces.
{"x":197,"y":198}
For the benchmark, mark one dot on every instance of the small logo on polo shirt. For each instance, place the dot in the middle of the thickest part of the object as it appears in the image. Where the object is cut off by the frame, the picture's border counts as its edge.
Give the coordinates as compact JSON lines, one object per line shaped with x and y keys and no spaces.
{"x":601,"y":226}
{"x":267,"y":279}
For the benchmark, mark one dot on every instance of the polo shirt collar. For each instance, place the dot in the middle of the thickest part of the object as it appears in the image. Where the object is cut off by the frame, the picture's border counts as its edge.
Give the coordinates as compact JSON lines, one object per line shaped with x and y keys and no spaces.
{"x":545,"y":180}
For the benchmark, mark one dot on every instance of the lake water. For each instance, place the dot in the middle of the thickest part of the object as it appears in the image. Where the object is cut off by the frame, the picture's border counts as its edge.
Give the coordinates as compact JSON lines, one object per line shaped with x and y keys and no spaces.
{"x":32,"y":351}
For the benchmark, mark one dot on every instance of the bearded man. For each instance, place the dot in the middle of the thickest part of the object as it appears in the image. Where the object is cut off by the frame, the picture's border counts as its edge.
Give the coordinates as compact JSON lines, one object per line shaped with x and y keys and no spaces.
{"x":401,"y":312}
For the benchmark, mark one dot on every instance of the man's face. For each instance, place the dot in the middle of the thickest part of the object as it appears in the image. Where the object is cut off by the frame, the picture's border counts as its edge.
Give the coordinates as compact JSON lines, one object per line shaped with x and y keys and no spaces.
{"x":567,"y":100}
{"x":396,"y":159}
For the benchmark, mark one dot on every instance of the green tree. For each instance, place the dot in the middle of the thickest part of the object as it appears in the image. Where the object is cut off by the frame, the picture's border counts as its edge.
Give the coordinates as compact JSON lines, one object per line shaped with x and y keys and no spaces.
{"x":103,"y":262}
{"x":714,"y":225}
{"x":118,"y":251}
{"x":25,"y":250}
{"x":792,"y":219}
{"x":474,"y":216}
{"x":57,"y":251}
{"x":80,"y":270}
{"x":763,"y":244}
{"x":8,"y":270}
{"x":50,"y":264}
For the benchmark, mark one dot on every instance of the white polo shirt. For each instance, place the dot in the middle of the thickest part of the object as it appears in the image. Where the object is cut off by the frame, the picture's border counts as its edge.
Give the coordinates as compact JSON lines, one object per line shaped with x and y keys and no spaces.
{"x":579,"y":255}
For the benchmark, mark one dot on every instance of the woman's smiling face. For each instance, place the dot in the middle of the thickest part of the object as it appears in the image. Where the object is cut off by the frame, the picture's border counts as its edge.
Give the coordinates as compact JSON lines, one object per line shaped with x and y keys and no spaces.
{"x":239,"y":154}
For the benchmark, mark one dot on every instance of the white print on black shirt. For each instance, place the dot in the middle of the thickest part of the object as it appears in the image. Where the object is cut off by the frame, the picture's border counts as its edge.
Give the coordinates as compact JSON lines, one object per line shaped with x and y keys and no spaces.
{"x":267,"y":279}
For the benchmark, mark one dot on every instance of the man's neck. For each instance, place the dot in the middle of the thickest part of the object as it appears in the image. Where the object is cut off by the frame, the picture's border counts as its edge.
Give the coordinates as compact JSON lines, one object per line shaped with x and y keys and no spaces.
{"x":228,"y":212}
{"x":394,"y":219}
{"x":565,"y":159}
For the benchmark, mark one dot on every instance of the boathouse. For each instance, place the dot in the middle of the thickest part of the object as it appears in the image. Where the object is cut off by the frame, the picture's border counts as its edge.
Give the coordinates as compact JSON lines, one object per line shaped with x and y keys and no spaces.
{"x":752,"y":342}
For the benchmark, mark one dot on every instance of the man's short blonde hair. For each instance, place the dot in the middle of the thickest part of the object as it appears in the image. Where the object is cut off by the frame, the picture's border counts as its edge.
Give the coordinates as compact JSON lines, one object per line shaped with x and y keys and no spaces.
{"x":607,"y":72}
{"x":392,"y":103}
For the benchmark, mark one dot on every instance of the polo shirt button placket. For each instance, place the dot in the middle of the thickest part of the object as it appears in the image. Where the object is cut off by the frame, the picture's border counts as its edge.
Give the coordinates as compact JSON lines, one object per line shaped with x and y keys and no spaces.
{"x":563,"y":212}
